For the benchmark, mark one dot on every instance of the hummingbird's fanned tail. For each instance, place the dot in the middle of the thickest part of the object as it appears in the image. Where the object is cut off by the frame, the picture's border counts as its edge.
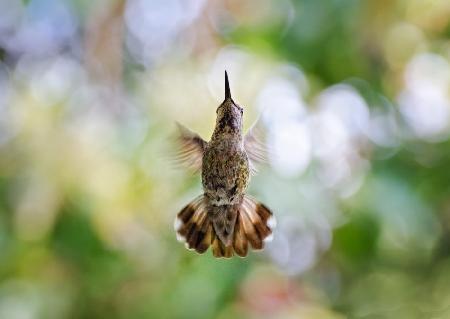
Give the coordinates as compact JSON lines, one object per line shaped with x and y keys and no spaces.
{"x":228,"y":229}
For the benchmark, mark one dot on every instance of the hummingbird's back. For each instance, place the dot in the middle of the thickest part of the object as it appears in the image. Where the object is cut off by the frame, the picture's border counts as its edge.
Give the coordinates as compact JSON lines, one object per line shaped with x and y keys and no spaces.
{"x":225,"y":172}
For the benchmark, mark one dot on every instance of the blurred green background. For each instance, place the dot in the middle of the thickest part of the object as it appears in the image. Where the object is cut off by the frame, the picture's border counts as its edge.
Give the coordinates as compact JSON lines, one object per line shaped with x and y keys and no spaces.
{"x":355,"y":96}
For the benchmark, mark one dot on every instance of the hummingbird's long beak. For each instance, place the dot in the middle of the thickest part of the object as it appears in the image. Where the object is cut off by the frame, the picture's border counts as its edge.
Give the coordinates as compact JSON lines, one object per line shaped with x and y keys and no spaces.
{"x":227,"y":87}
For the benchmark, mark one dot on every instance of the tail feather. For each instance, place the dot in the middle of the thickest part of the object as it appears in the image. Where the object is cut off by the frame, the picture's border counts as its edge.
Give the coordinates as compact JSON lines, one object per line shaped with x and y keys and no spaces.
{"x":240,"y":242}
{"x":259,"y":216}
{"x":205,"y":242}
{"x":223,"y":219}
{"x":196,"y":225}
{"x":250,"y":231}
{"x":220,"y":250}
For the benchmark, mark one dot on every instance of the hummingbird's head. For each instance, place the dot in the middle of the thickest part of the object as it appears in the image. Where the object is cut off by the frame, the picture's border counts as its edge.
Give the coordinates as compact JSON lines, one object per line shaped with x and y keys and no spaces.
{"x":229,"y":114}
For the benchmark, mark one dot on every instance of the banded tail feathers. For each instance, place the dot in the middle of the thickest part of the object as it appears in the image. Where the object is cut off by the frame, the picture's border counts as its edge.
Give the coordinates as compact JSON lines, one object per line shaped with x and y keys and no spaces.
{"x":228,"y":229}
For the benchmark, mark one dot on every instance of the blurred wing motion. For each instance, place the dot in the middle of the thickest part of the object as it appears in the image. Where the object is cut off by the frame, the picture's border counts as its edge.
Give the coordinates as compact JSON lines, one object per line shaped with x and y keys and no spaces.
{"x":253,"y":227}
{"x":255,"y":145}
{"x":191,"y":148}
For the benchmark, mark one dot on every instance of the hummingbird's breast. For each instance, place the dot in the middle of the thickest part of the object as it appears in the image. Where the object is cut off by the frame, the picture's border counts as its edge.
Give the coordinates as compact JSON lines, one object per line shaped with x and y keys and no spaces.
{"x":225,"y":172}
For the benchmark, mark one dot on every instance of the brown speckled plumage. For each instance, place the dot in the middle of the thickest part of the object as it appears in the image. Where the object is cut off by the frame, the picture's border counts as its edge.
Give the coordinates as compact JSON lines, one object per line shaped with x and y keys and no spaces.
{"x":224,"y":216}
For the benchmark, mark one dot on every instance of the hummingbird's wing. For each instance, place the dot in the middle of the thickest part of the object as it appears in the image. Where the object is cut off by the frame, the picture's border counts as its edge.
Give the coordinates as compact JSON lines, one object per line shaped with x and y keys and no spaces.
{"x":191,"y":149}
{"x":255,"y":145}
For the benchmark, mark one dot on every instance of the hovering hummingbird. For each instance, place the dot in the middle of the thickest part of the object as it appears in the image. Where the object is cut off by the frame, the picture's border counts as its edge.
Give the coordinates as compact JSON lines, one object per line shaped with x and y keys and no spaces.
{"x":224,"y":217}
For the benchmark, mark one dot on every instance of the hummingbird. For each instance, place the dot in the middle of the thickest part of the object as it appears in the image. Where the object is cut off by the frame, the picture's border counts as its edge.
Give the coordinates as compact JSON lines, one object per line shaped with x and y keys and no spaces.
{"x":224,"y":216}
